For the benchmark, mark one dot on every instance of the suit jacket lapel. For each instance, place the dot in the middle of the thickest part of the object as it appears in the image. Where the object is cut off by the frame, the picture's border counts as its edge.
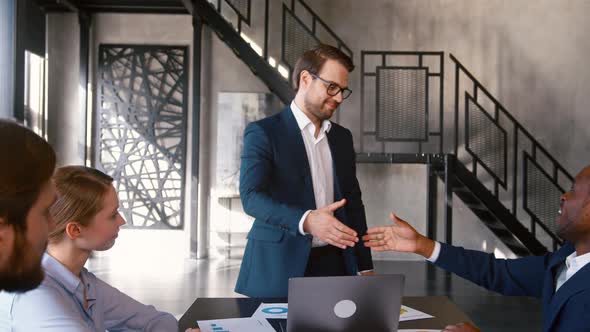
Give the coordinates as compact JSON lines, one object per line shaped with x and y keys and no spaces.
{"x":336,"y":162}
{"x":298,"y":152}
{"x":553,"y":301}
{"x":577,"y":283}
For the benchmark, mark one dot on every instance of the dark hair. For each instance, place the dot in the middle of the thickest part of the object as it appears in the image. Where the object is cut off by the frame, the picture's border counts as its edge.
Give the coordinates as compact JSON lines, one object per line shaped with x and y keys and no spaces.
{"x":80,"y":194}
{"x":313,"y":60}
{"x":26,"y":163}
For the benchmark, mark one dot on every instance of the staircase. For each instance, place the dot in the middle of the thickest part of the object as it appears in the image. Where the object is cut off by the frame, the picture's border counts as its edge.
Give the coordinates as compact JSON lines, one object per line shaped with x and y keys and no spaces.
{"x":495,"y":216}
{"x":496,"y":167}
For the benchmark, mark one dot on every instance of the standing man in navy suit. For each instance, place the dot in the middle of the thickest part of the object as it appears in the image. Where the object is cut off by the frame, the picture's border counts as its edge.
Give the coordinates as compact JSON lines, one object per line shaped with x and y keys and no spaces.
{"x":559,"y":279}
{"x":298,"y":180}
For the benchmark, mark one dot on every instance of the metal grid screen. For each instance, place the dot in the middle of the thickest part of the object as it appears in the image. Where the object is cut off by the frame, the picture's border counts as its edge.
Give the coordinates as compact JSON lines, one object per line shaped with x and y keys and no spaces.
{"x":542,"y":195}
{"x":402,"y":104}
{"x":485,"y":140}
{"x":142,"y":131}
{"x":296,"y":38}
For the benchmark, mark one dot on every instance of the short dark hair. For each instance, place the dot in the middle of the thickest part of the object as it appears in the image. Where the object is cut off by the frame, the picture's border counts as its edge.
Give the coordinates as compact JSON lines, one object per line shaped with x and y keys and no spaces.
{"x":313,"y":60}
{"x":27,"y":162}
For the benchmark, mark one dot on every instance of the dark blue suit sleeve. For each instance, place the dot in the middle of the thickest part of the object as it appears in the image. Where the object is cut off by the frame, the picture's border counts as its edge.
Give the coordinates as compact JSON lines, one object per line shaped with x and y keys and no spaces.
{"x":518,"y":277}
{"x":255,"y":176}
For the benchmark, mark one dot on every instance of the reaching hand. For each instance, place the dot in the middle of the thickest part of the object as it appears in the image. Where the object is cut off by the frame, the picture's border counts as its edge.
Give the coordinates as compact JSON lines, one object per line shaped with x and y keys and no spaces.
{"x":398,"y":237}
{"x":322,"y":224}
{"x":461,"y":327}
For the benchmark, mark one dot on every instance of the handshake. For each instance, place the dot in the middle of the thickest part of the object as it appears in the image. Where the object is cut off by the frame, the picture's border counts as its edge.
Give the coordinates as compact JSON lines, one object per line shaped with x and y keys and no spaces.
{"x":399,"y":236}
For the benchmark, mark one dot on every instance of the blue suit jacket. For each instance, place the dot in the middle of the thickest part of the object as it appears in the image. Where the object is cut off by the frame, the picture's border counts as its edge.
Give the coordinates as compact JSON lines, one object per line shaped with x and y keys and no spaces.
{"x":568,"y":309}
{"x":276,"y":189}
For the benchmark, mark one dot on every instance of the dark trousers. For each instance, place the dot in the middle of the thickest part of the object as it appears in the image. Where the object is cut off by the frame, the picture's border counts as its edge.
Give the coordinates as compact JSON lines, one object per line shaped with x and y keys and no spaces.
{"x":327,"y":261}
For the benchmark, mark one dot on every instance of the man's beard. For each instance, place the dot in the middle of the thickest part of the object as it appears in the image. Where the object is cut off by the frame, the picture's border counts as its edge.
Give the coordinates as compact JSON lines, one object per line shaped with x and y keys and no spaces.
{"x":24,"y":271}
{"x":316,"y":109}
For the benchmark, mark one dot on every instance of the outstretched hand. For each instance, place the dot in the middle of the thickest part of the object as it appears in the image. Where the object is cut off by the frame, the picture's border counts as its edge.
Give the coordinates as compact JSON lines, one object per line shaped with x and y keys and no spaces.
{"x":322,"y":224}
{"x":398,"y":237}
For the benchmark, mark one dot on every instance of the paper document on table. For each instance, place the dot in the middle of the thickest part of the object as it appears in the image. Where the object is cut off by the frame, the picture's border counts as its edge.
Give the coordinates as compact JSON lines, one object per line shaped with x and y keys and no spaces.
{"x":407,"y":313}
{"x":272,"y":311}
{"x":236,"y":325}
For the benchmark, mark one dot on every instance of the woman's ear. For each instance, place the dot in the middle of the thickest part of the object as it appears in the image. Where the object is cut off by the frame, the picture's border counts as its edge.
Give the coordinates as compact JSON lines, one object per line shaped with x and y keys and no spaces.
{"x":73,"y":230}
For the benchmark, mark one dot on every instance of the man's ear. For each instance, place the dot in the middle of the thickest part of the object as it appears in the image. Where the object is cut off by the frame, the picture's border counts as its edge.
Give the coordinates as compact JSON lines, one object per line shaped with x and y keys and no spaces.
{"x":73,"y":230}
{"x":304,"y":79}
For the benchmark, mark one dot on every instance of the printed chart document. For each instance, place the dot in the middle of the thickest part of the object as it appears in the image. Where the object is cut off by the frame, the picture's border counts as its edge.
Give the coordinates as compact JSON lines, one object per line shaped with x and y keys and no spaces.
{"x":407,"y":313}
{"x":236,"y":325}
{"x":272,"y":311}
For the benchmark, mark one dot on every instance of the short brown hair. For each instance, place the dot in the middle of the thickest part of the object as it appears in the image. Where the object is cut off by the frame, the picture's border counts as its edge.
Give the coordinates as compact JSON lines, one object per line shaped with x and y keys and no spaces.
{"x":80,"y":194}
{"x":26,"y":163}
{"x":313,"y":60}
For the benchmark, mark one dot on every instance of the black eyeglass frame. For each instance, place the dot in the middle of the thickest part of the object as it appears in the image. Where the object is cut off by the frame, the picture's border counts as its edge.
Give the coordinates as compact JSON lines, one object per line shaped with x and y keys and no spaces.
{"x":346,"y":92}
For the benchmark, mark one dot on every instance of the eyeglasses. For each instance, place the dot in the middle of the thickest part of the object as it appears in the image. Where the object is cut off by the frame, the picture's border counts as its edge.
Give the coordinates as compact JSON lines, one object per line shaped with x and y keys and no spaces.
{"x":332,"y":88}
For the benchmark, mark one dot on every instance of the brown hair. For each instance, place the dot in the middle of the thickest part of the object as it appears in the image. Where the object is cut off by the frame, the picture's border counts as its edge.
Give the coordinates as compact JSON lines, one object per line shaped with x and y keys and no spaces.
{"x":313,"y":60}
{"x":80,"y":194}
{"x":26,"y":164}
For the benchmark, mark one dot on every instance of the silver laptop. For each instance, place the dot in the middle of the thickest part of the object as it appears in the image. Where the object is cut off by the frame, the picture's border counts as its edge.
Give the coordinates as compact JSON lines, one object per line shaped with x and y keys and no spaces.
{"x":345,"y":304}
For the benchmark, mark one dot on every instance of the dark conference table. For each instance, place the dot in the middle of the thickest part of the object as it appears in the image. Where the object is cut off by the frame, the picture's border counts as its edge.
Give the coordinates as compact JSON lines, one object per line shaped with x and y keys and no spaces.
{"x":444,"y":311}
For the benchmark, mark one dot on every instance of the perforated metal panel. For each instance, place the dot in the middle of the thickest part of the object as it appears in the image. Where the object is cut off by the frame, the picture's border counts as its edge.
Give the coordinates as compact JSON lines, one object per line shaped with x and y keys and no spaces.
{"x":542,"y":195}
{"x":402,"y":104}
{"x":242,"y":7}
{"x":297,"y":38}
{"x":141,"y":118}
{"x":485,"y":140}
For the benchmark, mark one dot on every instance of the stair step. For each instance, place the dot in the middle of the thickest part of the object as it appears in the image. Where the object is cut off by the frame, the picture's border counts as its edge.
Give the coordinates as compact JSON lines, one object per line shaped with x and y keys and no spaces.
{"x":497,"y":218}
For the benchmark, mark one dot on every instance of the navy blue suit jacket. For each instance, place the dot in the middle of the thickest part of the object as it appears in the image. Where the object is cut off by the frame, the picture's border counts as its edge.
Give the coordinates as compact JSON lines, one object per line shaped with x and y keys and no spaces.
{"x":276,"y":189}
{"x":568,"y":309}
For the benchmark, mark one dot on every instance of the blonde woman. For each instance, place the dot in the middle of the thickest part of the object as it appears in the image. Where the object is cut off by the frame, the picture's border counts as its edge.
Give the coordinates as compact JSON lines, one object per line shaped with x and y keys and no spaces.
{"x":71,"y":298}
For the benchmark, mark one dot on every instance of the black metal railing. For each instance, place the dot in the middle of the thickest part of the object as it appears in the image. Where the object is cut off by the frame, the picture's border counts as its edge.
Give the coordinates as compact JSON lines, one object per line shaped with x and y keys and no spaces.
{"x":399,"y":90}
{"x":495,"y":141}
{"x":300,"y":29}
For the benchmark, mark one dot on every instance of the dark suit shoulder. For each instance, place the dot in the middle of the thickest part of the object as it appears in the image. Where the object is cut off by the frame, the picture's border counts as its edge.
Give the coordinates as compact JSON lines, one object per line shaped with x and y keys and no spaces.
{"x":270,"y":123}
{"x":340,"y":134}
{"x":338,"y":129}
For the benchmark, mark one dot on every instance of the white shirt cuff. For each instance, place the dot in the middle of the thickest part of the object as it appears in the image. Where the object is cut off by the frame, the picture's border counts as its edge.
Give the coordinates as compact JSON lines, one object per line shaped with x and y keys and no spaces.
{"x":301,"y":222}
{"x":435,"y":252}
{"x":361,"y":272}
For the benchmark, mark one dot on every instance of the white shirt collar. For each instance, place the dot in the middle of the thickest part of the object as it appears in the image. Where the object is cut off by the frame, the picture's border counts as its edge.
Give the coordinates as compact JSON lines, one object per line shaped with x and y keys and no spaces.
{"x":576,"y":262}
{"x":303,"y":121}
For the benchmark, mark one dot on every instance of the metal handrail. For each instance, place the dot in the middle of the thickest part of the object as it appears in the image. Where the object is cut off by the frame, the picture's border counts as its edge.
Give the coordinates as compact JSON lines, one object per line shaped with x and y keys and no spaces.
{"x":517,"y":129}
{"x":315,"y":22}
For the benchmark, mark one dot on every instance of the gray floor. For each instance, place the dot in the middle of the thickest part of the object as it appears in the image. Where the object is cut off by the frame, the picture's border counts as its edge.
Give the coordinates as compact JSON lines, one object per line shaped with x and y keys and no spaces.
{"x":172,"y":286}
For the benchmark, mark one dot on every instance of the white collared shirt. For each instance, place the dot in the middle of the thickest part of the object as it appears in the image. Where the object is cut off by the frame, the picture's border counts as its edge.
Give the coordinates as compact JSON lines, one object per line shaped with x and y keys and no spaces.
{"x":573,"y":263}
{"x":319,"y":157}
